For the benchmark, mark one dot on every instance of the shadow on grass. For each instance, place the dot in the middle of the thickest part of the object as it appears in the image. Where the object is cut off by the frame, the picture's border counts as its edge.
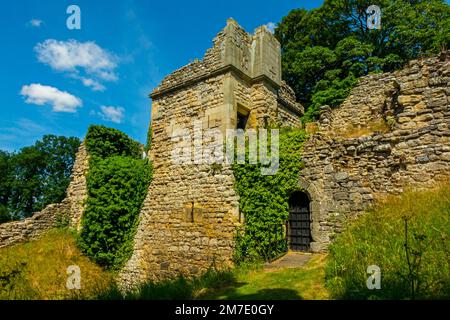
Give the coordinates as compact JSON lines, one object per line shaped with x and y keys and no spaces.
{"x":263,"y":294}
{"x":213,"y":285}
{"x":180,"y":288}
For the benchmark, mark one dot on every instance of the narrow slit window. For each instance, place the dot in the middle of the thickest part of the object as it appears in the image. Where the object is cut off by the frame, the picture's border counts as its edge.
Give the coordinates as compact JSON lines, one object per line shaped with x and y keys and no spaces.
{"x":241,"y":121}
{"x":242,"y":117}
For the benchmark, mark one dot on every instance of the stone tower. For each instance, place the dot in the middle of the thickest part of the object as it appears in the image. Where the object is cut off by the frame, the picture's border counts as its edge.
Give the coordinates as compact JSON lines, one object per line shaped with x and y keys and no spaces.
{"x":189,"y":218}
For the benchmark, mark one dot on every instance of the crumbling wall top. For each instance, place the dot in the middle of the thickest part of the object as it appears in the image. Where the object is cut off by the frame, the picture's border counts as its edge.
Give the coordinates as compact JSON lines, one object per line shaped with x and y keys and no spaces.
{"x":287,"y":97}
{"x":253,"y":56}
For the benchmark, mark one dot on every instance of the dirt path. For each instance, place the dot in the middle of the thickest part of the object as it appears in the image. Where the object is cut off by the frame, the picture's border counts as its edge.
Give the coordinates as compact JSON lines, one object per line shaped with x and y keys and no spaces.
{"x":290,"y":260}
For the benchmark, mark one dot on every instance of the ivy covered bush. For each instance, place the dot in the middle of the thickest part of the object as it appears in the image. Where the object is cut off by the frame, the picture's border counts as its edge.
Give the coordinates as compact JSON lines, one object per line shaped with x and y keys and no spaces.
{"x":264,"y":200}
{"x":103,"y":142}
{"x":117,"y":185}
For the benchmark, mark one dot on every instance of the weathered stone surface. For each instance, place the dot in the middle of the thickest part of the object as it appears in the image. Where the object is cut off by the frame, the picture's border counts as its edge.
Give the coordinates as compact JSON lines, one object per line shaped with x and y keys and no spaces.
{"x":341,"y":176}
{"x":77,"y":191}
{"x":413,"y":153}
{"x":30,"y":228}
{"x":191,"y":211}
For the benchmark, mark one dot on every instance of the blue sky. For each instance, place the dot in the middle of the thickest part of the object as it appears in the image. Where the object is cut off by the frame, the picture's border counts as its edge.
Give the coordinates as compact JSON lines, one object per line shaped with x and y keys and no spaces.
{"x":59,"y":81}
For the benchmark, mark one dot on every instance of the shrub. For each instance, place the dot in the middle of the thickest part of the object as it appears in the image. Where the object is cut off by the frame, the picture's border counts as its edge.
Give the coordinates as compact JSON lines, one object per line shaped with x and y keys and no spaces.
{"x":148,"y":146}
{"x":103,"y":142}
{"x":378,"y":238}
{"x":117,"y":184}
{"x":116,"y":189}
{"x":264,"y":200}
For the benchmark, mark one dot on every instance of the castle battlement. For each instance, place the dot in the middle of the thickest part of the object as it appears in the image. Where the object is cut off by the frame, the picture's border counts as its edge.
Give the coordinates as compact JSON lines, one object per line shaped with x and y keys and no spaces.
{"x":246,"y":70}
{"x":255,"y":57}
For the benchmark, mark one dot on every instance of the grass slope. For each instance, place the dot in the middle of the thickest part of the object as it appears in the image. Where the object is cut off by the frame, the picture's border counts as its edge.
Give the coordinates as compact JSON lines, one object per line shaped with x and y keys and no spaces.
{"x":378,"y":238}
{"x":38,"y":270}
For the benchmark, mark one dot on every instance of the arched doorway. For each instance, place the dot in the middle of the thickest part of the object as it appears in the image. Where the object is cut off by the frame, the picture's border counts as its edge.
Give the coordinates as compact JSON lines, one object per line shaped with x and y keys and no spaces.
{"x":299,"y":223}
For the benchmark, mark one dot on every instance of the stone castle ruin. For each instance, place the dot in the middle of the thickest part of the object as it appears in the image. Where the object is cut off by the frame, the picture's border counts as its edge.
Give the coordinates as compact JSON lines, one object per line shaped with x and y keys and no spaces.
{"x":391,"y":133}
{"x":191,"y":213}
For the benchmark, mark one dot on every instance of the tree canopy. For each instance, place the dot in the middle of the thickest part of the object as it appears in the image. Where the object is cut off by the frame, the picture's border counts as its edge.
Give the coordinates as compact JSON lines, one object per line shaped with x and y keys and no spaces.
{"x":325,"y":50}
{"x":36,"y":176}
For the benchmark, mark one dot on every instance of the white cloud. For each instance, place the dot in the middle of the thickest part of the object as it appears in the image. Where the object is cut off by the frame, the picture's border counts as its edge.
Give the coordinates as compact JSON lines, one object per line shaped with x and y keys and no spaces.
{"x":113,"y":114}
{"x":60,"y":101}
{"x":271,"y":27}
{"x":35,"y":23}
{"x":95,"y":85}
{"x":79,"y":57}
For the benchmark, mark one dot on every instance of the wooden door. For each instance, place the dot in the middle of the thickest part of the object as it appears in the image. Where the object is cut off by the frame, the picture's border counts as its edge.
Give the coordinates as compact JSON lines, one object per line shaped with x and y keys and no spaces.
{"x":299,"y":225}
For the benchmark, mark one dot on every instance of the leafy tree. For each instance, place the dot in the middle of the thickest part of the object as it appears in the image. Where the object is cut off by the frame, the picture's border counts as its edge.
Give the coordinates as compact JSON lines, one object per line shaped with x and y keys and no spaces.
{"x":5,"y":185}
{"x":27,"y":186}
{"x":38,"y":175}
{"x":4,"y":214}
{"x":59,"y":154}
{"x":324,"y":50}
{"x":5,"y":178}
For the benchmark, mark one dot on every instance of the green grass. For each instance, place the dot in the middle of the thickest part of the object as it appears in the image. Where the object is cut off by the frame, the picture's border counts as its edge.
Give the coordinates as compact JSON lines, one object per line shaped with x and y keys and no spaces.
{"x":176,"y":289}
{"x":37,"y":270}
{"x":378,"y":238}
{"x":305,"y":282}
{"x":243,"y":283}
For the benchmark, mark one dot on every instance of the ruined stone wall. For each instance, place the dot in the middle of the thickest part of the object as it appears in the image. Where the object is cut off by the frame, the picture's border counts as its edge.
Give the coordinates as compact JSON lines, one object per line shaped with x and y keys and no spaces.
{"x":200,"y":68}
{"x":33,"y":227}
{"x":264,"y":103}
{"x":77,"y":192}
{"x":191,"y":213}
{"x":288,"y":107}
{"x":69,"y":211}
{"x":343,"y":175}
{"x":288,"y":118}
{"x":254,"y":62}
